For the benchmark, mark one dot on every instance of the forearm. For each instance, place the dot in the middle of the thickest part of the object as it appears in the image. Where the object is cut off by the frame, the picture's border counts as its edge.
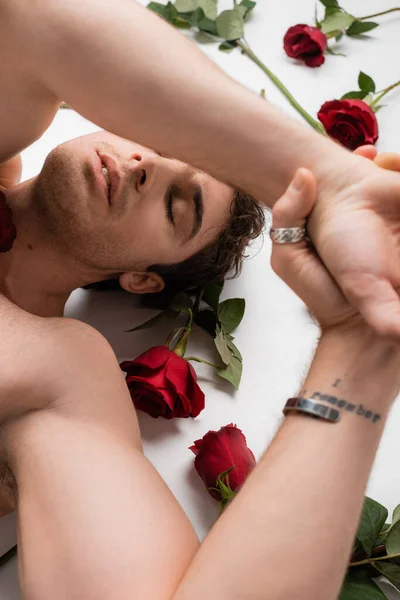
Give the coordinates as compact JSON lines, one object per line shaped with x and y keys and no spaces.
{"x":122,"y":67}
{"x":291,"y":528}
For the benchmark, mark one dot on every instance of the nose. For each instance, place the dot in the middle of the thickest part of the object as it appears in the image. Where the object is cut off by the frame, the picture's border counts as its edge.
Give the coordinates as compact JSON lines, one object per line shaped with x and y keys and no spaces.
{"x":143,"y":166}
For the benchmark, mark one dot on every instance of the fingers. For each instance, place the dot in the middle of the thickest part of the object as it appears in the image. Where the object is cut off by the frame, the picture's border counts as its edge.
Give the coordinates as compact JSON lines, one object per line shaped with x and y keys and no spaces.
{"x":291,"y":210}
{"x":388,"y":160}
{"x":368,"y":152}
{"x":298,"y":264}
{"x":297,"y":202}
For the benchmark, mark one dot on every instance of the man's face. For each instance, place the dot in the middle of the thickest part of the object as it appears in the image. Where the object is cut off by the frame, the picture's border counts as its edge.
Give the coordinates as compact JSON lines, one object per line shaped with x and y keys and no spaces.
{"x":158,"y":211}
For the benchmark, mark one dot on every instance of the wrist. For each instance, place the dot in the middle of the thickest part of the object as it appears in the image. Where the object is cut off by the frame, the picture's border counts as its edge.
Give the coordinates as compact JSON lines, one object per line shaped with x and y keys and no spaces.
{"x":353,"y":364}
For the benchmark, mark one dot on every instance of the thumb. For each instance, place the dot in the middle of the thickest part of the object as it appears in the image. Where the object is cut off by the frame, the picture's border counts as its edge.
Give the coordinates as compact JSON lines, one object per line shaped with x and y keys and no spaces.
{"x":297,"y":202}
{"x":291,"y":210}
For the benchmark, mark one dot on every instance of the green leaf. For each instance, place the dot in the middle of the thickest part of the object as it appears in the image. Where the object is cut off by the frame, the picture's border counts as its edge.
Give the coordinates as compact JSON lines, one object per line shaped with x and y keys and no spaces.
{"x":330,"y":3}
{"x":167,"y":11}
{"x":359,"y":586}
{"x":230,"y":25}
{"x":230,"y":313}
{"x":373,"y":518}
{"x":393,"y":539}
{"x":200,"y":21}
{"x":248,"y":6}
{"x":181,"y":302}
{"x":211,"y":296}
{"x":366,"y":83}
{"x":232,"y":347}
{"x":396,"y":515}
{"x":383,"y":534}
{"x":227,"y":46}
{"x":339,"y":21}
{"x":209,"y":8}
{"x":390,"y":571}
{"x":241,"y":10}
{"x":222,"y":347}
{"x":351,"y":95}
{"x":181,"y":23}
{"x":207,"y":320}
{"x":360,"y":27}
{"x":185,"y":6}
{"x":165,"y":316}
{"x":233,"y":372}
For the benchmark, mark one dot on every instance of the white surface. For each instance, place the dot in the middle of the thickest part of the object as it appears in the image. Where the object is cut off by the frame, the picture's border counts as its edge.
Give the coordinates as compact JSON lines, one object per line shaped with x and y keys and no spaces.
{"x":277,"y":335}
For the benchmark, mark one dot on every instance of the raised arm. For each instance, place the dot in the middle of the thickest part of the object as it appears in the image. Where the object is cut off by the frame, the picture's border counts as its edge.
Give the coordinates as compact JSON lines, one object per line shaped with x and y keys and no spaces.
{"x":124,"y":68}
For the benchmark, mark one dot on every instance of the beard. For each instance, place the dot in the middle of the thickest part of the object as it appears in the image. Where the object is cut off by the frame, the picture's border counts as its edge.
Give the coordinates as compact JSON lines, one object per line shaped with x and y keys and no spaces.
{"x":68,"y":219}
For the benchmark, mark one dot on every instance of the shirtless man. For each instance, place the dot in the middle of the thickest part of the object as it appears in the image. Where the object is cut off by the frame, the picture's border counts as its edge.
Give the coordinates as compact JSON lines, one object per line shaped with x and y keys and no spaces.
{"x":87,"y":54}
{"x":129,"y":72}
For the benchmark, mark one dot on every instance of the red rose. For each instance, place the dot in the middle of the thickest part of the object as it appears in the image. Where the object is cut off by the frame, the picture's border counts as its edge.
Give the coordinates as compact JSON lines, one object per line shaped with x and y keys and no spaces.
{"x":351,"y":122}
{"x":307,"y":44}
{"x":217,"y":452}
{"x":8,"y":233}
{"x":163,"y":384}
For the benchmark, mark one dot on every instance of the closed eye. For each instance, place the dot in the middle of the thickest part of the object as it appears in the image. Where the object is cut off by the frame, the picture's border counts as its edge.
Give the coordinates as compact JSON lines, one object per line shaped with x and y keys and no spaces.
{"x":168,"y":206}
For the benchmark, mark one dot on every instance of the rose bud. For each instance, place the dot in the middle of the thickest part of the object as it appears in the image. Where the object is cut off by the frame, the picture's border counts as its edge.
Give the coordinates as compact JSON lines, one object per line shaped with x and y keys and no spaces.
{"x":351,"y":122}
{"x":219,"y":451}
{"x":163,"y":384}
{"x":307,"y":44}
{"x":8,"y":233}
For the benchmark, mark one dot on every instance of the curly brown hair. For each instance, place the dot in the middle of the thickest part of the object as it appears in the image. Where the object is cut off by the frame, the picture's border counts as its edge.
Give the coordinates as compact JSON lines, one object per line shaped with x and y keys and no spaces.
{"x":214,"y":262}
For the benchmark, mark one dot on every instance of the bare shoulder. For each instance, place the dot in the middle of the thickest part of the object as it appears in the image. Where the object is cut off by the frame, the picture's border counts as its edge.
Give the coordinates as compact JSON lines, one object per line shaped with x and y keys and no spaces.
{"x":40,"y":358}
{"x":71,"y":336}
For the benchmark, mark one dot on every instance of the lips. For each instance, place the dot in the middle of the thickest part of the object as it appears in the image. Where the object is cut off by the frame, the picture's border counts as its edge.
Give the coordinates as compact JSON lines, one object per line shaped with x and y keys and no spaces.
{"x":101,"y":183}
{"x":114,"y":176}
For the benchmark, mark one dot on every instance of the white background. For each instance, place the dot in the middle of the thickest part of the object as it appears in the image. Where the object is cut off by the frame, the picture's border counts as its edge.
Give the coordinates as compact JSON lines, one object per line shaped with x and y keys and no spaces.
{"x":277,"y":336}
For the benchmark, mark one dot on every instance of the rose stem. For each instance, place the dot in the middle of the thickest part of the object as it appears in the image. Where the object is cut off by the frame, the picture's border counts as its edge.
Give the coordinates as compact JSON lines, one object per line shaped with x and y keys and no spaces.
{"x":200,"y":360}
{"x":362,"y":555}
{"x":384,"y":92}
{"x":247,"y":50}
{"x":379,"y":14}
{"x":371,"y":561}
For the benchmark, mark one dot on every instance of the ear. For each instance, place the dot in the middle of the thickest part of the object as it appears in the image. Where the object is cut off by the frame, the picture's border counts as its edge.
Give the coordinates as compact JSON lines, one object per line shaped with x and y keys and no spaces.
{"x":141,"y":283}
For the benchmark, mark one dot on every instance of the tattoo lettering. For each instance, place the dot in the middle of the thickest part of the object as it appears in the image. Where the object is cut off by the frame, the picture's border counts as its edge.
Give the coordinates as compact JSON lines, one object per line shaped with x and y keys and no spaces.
{"x":341,"y":403}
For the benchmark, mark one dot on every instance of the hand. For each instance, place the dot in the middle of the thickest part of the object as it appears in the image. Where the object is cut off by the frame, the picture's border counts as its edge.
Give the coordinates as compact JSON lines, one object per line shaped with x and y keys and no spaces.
{"x":298,"y":264}
{"x":355,"y":227}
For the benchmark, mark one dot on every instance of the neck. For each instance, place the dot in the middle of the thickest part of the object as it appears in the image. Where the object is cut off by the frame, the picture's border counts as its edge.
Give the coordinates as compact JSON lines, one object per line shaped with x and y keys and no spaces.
{"x":34,"y":275}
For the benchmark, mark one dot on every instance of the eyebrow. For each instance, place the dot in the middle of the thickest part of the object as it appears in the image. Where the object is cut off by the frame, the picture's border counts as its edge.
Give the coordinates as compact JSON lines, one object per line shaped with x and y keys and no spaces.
{"x":198,"y":211}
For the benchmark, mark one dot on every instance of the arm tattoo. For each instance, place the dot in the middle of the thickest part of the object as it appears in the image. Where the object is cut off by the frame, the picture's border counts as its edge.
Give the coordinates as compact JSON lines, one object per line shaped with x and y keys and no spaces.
{"x":358,"y":410}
